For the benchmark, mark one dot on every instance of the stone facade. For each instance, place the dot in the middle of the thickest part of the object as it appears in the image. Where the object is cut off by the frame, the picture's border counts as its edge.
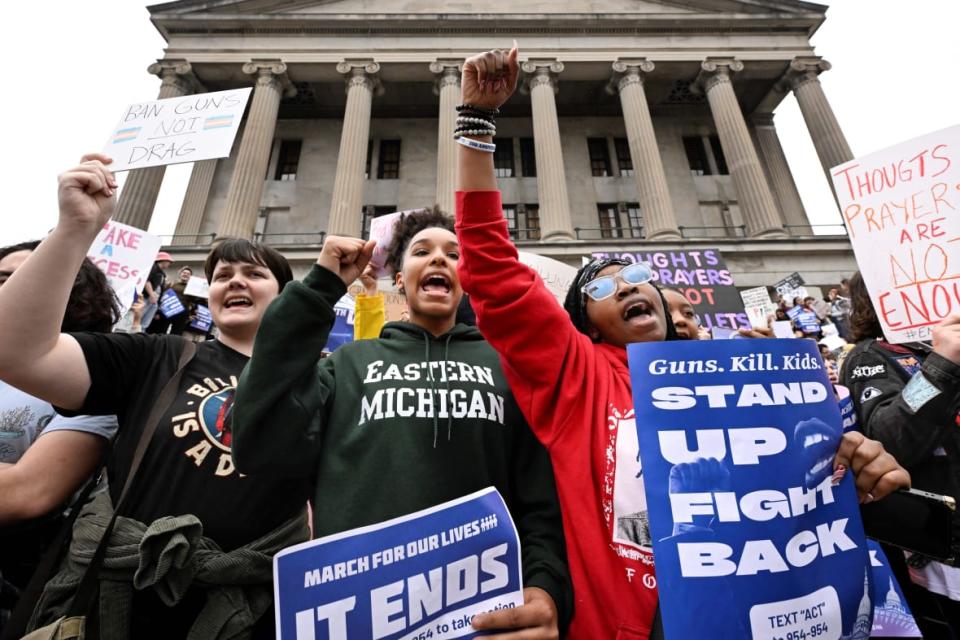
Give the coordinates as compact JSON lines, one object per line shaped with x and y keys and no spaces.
{"x":682,"y":90}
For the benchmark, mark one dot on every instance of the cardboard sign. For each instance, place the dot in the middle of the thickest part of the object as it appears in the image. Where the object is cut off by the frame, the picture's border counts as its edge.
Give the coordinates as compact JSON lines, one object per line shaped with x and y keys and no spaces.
{"x":556,"y":275}
{"x":424,"y":575}
{"x":702,"y":276}
{"x":197,"y":287}
{"x":900,"y":207}
{"x":737,"y":439}
{"x":170,"y":304}
{"x":202,"y":319}
{"x":175,"y":130}
{"x":125,"y":254}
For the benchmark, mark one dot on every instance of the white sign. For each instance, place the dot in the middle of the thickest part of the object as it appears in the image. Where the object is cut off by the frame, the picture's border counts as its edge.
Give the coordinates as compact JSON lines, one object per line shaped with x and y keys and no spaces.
{"x":125,"y":254}
{"x":381,"y":230}
{"x":556,"y":275}
{"x":198,"y":287}
{"x":901,"y":207}
{"x":756,"y":302}
{"x":175,"y":130}
{"x":783,"y":329}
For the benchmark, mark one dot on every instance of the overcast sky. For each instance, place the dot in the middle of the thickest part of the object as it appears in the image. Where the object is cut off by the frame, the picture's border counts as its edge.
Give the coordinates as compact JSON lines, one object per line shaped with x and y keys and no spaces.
{"x":73,"y":66}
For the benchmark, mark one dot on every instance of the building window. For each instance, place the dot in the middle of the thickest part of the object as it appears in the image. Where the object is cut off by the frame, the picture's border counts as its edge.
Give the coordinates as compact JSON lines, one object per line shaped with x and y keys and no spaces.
{"x":375,"y":211}
{"x":503,"y":158}
{"x":523,"y":221}
{"x":599,"y":157}
{"x":635,"y":219}
{"x":609,"y":221}
{"x":288,"y":160}
{"x":366,"y":174}
{"x":528,"y":158}
{"x":389,"y":168}
{"x":718,"y":156}
{"x":696,"y":156}
{"x":623,"y":156}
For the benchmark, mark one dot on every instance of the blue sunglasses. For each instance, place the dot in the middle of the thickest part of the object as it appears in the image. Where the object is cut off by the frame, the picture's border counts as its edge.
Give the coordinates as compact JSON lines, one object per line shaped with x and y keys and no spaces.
{"x":605,"y":286}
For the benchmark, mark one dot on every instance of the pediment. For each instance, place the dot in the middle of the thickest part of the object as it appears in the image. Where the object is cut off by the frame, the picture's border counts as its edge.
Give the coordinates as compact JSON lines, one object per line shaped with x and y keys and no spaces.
{"x":652,"y":8}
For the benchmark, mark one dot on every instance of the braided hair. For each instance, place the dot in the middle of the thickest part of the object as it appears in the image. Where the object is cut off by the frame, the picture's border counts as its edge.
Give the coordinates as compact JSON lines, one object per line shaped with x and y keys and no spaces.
{"x":576,"y":301}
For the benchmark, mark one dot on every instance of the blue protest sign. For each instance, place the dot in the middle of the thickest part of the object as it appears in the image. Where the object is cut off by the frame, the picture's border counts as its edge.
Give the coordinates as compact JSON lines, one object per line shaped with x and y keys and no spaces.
{"x":342,"y":331}
{"x":808,"y":321}
{"x":750,"y":530}
{"x":892,"y":617}
{"x":170,"y":304}
{"x":421,"y":576}
{"x":202,"y":319}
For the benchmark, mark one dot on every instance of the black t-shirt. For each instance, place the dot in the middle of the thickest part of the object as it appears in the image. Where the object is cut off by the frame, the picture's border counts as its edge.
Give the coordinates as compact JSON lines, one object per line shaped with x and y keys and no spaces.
{"x":187,"y":468}
{"x":156,"y":277}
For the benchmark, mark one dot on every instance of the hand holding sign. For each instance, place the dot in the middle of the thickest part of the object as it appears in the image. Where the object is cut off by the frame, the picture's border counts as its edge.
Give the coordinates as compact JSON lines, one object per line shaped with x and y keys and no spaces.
{"x":537,"y":617}
{"x":346,"y":257}
{"x":86,"y":195}
{"x":877,"y":472}
{"x":946,"y":338}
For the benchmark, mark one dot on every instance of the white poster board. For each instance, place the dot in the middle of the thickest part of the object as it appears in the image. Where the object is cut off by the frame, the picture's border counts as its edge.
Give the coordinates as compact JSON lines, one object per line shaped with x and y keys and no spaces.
{"x":125,"y":254}
{"x":381,"y":230}
{"x":901,"y":207}
{"x":197,"y":286}
{"x":757,"y":304}
{"x":175,"y":130}
{"x":556,"y":275}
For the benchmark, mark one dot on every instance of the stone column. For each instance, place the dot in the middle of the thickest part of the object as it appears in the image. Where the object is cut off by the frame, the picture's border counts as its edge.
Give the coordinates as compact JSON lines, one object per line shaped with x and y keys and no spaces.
{"x":541,"y":84}
{"x":658,"y":219}
{"x":194,"y":202}
{"x":448,"y":88}
{"x":346,"y":214}
{"x":781,"y":178}
{"x":756,"y":203}
{"x":138,"y":196}
{"x":822,"y":124}
{"x":246,"y":184}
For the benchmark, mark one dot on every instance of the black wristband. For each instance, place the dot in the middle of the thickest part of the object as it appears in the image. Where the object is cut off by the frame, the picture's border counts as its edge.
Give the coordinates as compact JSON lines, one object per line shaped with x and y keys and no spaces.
{"x":481,"y":110}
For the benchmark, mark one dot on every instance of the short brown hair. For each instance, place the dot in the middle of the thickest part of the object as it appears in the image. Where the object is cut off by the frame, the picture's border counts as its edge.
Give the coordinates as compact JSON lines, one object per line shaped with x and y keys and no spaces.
{"x":239,"y":250}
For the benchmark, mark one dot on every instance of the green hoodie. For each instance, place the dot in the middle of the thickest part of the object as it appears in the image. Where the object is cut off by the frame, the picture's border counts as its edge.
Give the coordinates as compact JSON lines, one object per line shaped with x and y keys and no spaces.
{"x":362,"y":423}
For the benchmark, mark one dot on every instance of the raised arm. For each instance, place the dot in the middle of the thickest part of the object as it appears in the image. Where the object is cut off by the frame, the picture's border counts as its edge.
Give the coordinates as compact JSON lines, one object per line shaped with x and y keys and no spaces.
{"x":546,"y":358}
{"x":279,"y":408}
{"x":34,"y":356}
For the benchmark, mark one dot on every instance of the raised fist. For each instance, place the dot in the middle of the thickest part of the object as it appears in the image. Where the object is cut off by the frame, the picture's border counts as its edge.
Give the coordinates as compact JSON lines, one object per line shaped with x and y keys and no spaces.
{"x":489,"y":79}
{"x":346,"y":257}
{"x":87,"y":195}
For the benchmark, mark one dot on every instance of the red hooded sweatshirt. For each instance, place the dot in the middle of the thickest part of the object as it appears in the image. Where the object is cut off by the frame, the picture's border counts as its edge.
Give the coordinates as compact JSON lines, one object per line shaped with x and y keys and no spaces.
{"x":576,"y":395}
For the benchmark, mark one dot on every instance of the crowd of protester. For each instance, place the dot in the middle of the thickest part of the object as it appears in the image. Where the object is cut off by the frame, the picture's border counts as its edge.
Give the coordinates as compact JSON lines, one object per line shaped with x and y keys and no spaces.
{"x":102,"y":414}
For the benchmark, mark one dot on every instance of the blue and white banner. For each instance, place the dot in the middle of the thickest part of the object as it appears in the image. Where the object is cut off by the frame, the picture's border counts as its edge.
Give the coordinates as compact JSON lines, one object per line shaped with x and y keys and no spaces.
{"x":170,"y":304}
{"x":342,"y":331}
{"x":417,"y":577}
{"x":750,"y":527}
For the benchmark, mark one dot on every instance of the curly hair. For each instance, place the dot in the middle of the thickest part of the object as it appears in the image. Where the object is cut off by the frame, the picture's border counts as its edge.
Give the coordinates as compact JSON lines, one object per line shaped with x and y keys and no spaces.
{"x":409,"y":225}
{"x":864,"y":323}
{"x":92,"y":305}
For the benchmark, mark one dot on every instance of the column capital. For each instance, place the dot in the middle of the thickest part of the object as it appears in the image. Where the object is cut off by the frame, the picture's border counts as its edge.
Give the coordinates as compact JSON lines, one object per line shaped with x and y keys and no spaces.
{"x":271,"y":72}
{"x":540,"y":72}
{"x":447,"y":72}
{"x":361,"y":73}
{"x":627,"y":72}
{"x":175,"y":73}
{"x":714,"y":71}
{"x":804,"y":69}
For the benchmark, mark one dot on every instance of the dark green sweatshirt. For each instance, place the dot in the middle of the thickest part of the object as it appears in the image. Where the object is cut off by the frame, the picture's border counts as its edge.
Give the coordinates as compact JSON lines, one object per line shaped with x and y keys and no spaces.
{"x":362,"y":422}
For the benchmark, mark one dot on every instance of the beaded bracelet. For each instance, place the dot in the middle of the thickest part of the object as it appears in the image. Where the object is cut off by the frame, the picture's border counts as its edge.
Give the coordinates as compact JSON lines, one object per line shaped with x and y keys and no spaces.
{"x":462,"y":119}
{"x":476,"y":144}
{"x":473,"y":132}
{"x":461,"y":127}
{"x":482,"y":110}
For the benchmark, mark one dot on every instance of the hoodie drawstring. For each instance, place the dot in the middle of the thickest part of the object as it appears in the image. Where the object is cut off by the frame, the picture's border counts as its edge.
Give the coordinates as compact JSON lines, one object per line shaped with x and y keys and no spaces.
{"x":446,"y":357}
{"x":433,"y":389}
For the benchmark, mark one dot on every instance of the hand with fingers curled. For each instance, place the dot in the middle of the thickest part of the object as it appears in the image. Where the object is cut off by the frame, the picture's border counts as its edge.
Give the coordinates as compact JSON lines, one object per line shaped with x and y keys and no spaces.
{"x":535,"y":619}
{"x":703,"y":475}
{"x":346,"y":257}
{"x":877,"y":474}
{"x":87,"y":195}
{"x":369,"y":281}
{"x":489,"y":79}
{"x":946,"y":338}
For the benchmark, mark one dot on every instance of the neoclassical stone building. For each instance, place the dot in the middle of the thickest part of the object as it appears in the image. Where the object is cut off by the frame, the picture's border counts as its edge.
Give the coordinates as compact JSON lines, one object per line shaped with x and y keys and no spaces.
{"x":640,"y":125}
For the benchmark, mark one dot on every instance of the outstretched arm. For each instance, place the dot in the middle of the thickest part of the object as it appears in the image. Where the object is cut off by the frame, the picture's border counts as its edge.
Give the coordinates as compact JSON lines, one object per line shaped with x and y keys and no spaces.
{"x":34,"y":356}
